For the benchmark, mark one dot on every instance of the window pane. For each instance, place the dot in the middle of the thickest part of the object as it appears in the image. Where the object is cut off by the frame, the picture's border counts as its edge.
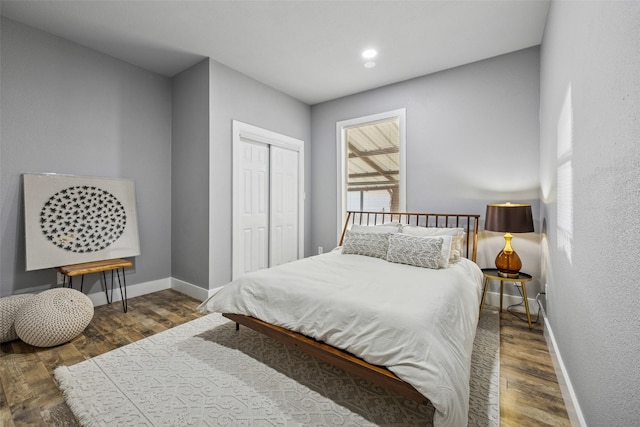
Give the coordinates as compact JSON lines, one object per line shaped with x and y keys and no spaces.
{"x":354,"y":203}
{"x":373,"y":166}
{"x":377,"y":201}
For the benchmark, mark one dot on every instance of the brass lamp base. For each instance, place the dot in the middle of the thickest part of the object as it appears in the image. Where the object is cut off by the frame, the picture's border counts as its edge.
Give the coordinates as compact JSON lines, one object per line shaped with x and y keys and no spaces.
{"x":508,"y":275}
{"x":508,"y":262}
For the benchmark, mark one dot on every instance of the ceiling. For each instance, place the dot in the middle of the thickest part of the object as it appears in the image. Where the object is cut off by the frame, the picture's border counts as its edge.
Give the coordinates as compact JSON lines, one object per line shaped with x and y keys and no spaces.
{"x":307,"y":49}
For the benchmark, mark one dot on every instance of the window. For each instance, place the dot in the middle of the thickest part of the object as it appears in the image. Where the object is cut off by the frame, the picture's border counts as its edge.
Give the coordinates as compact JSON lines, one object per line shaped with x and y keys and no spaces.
{"x":371,"y":164}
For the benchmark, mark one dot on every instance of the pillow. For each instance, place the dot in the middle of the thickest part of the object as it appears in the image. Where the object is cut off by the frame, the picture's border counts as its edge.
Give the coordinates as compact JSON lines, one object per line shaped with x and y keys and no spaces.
{"x":397,"y":224}
{"x":417,"y":251}
{"x":383,"y":228}
{"x":447,"y":250}
{"x":457,"y":235}
{"x":432,"y":231}
{"x":367,"y":244}
{"x":456,"y":248}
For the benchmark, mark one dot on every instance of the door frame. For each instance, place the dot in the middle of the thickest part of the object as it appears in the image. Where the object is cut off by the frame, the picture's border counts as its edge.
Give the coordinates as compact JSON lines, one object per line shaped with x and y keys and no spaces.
{"x":244,"y":131}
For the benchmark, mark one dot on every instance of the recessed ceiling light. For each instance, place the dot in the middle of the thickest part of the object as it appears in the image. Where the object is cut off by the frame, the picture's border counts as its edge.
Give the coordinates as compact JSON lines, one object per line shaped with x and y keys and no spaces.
{"x":369,"y":54}
{"x":369,"y":64}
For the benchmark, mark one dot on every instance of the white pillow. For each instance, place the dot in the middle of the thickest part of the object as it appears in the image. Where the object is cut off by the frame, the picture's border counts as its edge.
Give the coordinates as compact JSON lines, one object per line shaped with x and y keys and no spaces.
{"x":384,"y":228}
{"x":457,"y":235}
{"x":432,"y":231}
{"x":417,"y":251}
{"x":367,"y":244}
{"x":447,"y":250}
{"x":456,"y":248}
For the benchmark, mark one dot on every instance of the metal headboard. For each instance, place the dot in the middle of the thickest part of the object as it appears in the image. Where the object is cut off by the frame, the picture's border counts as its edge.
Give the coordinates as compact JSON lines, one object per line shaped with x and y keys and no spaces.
{"x":468,"y":222}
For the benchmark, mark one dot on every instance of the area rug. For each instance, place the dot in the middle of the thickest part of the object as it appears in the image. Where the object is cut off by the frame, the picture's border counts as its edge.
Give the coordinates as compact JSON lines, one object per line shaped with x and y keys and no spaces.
{"x":205,"y":373}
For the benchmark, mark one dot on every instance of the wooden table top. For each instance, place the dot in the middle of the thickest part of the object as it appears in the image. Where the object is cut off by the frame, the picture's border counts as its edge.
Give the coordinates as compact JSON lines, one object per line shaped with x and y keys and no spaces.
{"x":94,"y":267}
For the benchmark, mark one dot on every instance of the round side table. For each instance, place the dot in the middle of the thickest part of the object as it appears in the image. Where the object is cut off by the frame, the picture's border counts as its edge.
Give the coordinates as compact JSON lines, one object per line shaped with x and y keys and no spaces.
{"x":492,"y":274}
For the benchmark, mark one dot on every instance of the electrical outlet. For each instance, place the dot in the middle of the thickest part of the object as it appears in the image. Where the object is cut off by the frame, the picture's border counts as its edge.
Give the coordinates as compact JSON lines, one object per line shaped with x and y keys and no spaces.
{"x":59,"y":278}
{"x":320,"y":250}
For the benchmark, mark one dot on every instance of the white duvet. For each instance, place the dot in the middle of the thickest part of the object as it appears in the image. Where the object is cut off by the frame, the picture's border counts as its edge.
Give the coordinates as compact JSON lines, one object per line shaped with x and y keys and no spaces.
{"x":418,"y":322}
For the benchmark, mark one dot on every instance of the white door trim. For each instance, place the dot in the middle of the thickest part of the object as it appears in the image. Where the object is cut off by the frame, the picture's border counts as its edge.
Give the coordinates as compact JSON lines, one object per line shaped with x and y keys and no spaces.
{"x":244,"y":131}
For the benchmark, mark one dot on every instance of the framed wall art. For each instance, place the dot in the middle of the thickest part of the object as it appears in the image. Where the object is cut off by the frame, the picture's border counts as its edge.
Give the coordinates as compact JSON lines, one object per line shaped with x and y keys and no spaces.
{"x":74,"y":219}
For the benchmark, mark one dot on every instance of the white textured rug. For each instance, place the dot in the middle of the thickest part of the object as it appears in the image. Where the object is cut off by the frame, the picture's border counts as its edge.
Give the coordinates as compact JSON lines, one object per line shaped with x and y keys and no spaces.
{"x":205,"y":373}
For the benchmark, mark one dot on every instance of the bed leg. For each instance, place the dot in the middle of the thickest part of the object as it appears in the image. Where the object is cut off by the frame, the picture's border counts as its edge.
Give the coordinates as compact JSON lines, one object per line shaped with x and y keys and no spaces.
{"x":237,"y":326}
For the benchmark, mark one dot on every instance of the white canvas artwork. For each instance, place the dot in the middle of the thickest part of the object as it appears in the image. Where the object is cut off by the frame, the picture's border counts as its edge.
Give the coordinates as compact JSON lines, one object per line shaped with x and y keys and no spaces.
{"x":74,"y":219}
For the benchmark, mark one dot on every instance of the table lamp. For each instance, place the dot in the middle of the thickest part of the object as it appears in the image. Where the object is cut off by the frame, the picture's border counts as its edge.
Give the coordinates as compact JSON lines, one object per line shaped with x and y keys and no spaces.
{"x":508,"y":218}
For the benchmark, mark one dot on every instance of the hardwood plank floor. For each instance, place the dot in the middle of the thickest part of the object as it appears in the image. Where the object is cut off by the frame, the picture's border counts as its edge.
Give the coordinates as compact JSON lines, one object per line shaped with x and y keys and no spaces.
{"x":529,"y":390}
{"x":29,"y":396}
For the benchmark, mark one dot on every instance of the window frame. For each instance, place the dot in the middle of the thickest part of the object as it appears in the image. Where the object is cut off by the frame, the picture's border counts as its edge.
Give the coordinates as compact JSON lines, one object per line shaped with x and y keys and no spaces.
{"x":342,"y":158}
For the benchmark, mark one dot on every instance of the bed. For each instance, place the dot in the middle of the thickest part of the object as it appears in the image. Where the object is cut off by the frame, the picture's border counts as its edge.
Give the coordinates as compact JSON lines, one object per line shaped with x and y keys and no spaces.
{"x":402,"y":316}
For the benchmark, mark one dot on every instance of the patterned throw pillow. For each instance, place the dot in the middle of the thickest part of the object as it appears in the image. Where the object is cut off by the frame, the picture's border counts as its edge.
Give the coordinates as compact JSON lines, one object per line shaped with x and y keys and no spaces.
{"x":413,"y":250}
{"x":457,"y":236}
{"x":368,"y":244}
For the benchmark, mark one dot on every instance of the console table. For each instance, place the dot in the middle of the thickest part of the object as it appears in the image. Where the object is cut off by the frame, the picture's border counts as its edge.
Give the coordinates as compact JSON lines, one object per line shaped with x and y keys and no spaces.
{"x":70,"y":271}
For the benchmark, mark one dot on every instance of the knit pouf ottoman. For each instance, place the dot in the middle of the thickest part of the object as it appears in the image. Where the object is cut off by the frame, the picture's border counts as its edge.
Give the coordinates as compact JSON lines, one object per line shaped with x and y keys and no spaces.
{"x":53,"y":317}
{"x":9,"y":307}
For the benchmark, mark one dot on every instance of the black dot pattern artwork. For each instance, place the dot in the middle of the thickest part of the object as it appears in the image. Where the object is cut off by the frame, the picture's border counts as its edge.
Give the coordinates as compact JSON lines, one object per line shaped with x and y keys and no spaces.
{"x":83,"y":219}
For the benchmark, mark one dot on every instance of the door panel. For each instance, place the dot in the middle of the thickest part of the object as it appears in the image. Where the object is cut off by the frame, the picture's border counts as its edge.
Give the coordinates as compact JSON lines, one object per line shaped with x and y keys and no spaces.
{"x":255,"y":216}
{"x":284,"y":206}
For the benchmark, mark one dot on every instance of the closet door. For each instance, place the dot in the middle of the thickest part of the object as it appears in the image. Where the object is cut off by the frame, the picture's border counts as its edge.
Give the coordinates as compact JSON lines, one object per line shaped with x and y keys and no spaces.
{"x":283,"y":239}
{"x":254,"y":200}
{"x":268,"y":209}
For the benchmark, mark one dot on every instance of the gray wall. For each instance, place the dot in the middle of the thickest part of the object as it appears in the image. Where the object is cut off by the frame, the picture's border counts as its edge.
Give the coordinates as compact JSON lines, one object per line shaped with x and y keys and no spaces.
{"x":72,"y":110}
{"x":190,"y":175}
{"x":472,"y":139}
{"x":592,"y":273}
{"x":234,"y":96}
{"x":68,"y":109}
{"x":207,"y":98}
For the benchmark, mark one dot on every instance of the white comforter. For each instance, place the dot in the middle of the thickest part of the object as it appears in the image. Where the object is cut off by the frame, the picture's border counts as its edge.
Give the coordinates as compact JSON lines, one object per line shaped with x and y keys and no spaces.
{"x":418,"y":322}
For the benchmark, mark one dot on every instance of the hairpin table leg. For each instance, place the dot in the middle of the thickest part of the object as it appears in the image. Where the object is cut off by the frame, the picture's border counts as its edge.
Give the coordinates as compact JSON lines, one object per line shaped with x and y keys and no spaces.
{"x":106,"y":287}
{"x":123,"y":296}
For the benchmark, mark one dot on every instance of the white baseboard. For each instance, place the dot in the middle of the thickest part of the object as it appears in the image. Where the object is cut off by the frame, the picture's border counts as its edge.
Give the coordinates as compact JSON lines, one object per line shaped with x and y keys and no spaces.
{"x":568,"y":394}
{"x":99,"y":298}
{"x":493,"y":299}
{"x":35,"y":289}
{"x":192,"y":290}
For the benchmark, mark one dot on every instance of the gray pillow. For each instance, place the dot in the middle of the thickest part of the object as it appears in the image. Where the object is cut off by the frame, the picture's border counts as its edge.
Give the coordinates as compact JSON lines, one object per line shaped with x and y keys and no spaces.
{"x":413,"y":250}
{"x":367,"y":244}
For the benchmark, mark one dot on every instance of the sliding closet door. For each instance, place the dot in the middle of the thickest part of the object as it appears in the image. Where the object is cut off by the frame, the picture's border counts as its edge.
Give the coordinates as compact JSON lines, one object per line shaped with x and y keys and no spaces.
{"x":284,"y":206}
{"x":254,"y":200}
{"x":268,"y":202}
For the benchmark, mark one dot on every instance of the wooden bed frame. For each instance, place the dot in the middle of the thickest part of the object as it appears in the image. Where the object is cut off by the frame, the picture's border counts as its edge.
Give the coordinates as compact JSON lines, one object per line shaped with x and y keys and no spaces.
{"x":375,"y":374}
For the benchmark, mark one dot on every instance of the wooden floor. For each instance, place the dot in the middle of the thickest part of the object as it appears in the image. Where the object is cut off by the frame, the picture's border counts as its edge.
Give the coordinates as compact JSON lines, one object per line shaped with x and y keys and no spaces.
{"x":529,"y":391}
{"x":29,"y":396}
